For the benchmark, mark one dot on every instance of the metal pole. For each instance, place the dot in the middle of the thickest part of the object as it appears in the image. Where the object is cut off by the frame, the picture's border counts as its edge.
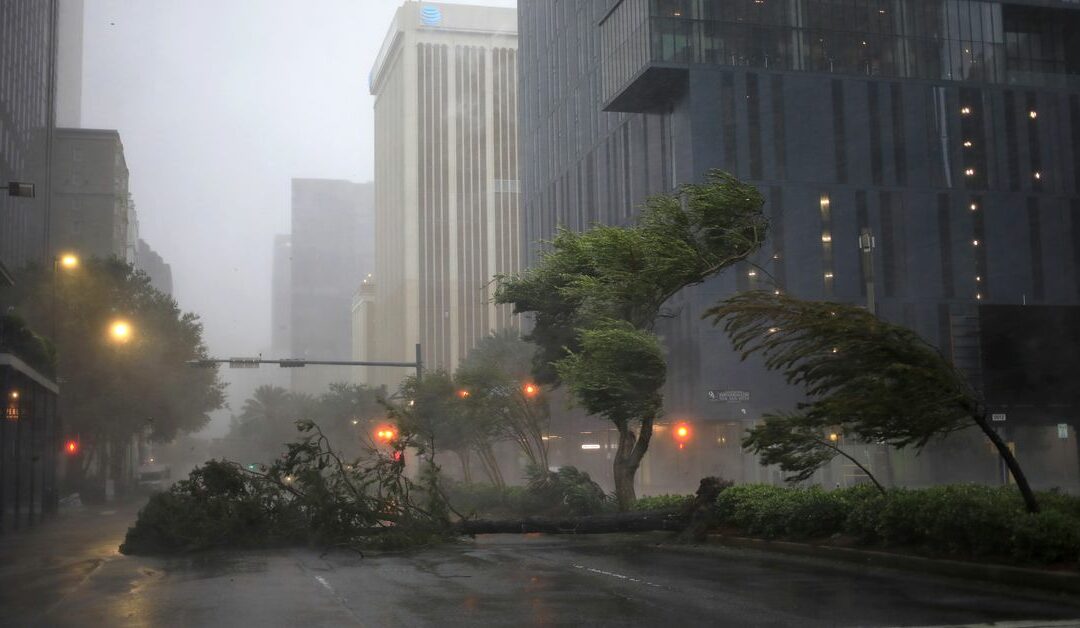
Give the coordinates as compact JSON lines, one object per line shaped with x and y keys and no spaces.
{"x":866,"y":245}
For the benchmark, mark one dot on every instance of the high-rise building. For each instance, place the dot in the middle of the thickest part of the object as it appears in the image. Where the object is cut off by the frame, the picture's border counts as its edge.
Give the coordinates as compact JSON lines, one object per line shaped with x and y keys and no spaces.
{"x":945,"y":130}
{"x":150,"y":262}
{"x":27,"y":110}
{"x":446,"y":182}
{"x":331,"y":251}
{"x":281,"y":297}
{"x":92,"y":211}
{"x":69,"y":63}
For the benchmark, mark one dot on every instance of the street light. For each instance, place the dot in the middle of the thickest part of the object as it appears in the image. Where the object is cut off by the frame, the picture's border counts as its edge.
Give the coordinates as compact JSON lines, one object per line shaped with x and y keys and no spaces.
{"x":120,"y":331}
{"x":68,"y":261}
{"x":530,"y":389}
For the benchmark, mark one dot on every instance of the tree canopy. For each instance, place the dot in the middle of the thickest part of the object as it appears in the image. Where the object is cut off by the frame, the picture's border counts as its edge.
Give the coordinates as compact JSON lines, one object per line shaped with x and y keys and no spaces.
{"x":606,"y":287}
{"x":872,"y":379}
{"x":115,"y":388}
{"x":498,"y":377}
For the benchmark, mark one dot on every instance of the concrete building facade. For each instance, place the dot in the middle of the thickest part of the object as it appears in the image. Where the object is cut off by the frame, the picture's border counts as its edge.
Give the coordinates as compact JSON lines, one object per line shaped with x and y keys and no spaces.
{"x":69,"y":62}
{"x":947,"y":129}
{"x":330,"y":251}
{"x":92,"y":210}
{"x":150,"y":262}
{"x":446,"y":181}
{"x":27,"y":114}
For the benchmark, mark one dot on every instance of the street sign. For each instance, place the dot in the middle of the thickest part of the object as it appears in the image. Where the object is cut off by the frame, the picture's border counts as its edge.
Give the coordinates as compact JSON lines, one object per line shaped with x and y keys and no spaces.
{"x":997,"y":416}
{"x":243,"y":363}
{"x":729,"y":396}
{"x":1063,"y":431}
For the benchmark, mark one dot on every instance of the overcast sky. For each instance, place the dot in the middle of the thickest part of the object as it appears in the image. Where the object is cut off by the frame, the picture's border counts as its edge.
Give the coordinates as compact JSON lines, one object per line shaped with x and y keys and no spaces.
{"x":219,"y":104}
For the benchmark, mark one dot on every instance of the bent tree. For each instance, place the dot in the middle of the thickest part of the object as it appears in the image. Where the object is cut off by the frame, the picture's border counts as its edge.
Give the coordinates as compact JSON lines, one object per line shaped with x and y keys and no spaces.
{"x":877,"y":381}
{"x":595,"y":297}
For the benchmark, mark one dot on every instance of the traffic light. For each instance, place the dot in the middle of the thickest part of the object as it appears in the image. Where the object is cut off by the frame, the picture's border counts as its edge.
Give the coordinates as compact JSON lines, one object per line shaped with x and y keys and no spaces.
{"x":386,"y":434}
{"x":682,"y":434}
{"x":71,"y":447}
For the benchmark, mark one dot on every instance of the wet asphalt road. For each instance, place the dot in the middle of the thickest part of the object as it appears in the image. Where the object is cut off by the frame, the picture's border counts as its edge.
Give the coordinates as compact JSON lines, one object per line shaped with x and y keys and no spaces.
{"x":68,"y":573}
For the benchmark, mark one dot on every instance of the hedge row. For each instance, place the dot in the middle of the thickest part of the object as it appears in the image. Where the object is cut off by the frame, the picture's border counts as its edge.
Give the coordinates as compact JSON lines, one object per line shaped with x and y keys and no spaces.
{"x":971,"y":522}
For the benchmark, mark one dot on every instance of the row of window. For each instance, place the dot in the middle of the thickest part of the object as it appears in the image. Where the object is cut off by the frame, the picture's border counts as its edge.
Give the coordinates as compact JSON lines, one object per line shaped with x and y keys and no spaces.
{"x":964,"y":40}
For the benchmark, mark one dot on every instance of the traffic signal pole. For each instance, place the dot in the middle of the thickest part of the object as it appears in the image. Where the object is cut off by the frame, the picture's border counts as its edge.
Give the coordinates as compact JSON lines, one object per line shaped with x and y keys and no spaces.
{"x":297,"y":363}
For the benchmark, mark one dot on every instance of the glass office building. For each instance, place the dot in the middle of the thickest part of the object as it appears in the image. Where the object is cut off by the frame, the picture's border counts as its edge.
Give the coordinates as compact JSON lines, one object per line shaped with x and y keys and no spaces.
{"x":946,"y":130}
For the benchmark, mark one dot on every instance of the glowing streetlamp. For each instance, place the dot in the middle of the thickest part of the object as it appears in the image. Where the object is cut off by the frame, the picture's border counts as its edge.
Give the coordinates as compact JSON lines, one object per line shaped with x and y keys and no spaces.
{"x":530,"y":390}
{"x":464,"y":394}
{"x":120,"y":331}
{"x":68,"y":261}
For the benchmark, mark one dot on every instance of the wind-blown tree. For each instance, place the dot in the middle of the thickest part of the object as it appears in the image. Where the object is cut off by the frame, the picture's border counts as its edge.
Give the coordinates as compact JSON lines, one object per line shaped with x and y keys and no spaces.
{"x":612,"y":280}
{"x":497,"y":374}
{"x":435,"y":415}
{"x":115,"y":390}
{"x":869,"y":378}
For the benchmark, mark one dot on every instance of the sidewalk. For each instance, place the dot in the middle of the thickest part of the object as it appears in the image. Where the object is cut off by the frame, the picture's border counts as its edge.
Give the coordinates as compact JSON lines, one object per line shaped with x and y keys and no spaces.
{"x":40,"y":565}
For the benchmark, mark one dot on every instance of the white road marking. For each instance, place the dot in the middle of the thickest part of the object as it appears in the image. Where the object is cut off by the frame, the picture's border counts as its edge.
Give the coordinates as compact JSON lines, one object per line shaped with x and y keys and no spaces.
{"x":1033,"y":623}
{"x":617,"y":575}
{"x":326,"y":584}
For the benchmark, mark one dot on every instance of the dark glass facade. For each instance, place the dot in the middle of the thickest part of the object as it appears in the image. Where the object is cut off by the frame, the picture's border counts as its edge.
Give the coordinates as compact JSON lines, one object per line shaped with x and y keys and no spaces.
{"x":27,"y":104}
{"x":949,"y":135}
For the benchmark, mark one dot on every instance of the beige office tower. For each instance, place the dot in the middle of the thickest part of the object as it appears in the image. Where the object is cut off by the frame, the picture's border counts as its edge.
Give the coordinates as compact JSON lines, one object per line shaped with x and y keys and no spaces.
{"x":447,"y":216}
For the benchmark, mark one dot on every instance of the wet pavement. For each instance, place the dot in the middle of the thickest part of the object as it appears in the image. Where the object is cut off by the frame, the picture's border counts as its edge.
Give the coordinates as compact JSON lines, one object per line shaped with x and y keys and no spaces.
{"x":68,"y":573}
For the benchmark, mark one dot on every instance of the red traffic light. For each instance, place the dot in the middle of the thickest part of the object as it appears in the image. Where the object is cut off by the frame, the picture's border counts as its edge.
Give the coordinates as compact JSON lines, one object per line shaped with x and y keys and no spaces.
{"x":682,"y":434}
{"x":71,"y":447}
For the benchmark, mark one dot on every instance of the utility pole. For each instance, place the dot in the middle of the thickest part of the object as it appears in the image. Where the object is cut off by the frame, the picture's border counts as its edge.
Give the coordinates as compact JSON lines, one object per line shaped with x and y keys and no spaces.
{"x":866,"y":246}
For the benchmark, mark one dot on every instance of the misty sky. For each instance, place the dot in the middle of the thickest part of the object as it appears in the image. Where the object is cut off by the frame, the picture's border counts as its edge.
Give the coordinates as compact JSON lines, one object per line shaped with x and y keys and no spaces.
{"x":219,"y":104}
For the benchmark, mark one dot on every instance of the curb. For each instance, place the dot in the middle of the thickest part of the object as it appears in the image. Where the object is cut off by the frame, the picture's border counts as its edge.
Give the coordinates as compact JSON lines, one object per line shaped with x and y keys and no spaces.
{"x":999,"y":574}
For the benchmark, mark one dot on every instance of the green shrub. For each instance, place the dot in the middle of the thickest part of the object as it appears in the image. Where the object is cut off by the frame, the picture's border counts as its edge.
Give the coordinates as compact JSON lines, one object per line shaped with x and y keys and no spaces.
{"x":661,"y":502}
{"x":1047,"y":537}
{"x":965,"y":521}
{"x":568,"y":491}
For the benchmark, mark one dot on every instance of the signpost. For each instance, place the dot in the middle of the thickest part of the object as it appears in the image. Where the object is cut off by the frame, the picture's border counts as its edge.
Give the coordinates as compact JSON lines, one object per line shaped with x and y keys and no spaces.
{"x":729,"y":396}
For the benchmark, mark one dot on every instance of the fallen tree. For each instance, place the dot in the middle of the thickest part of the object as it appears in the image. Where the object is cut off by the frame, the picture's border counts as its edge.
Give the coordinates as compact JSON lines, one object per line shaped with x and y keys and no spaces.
{"x":310,"y":496}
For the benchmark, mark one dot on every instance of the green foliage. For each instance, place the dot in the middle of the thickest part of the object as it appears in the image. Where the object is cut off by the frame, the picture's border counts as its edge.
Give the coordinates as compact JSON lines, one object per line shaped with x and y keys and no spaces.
{"x":112,"y":391}
{"x":599,"y":378}
{"x":662,"y":502}
{"x":17,"y":338}
{"x":595,"y":296}
{"x":969,"y":522}
{"x":495,"y":372}
{"x":309,"y":495}
{"x":879,"y":382}
{"x":567,"y":491}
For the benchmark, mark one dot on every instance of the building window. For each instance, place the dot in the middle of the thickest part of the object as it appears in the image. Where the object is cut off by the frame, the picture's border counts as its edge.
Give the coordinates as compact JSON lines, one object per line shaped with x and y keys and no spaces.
{"x":827,"y":266}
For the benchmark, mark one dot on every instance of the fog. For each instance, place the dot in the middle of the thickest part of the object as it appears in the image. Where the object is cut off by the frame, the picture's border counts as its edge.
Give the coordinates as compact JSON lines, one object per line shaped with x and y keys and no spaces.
{"x":219,"y":105}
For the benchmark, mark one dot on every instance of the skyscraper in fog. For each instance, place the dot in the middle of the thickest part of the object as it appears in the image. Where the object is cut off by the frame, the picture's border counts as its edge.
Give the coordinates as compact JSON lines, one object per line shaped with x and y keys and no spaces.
{"x":446,"y":183}
{"x":92,"y":211}
{"x":27,"y":110}
{"x":281,"y":297}
{"x":331,"y":252}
